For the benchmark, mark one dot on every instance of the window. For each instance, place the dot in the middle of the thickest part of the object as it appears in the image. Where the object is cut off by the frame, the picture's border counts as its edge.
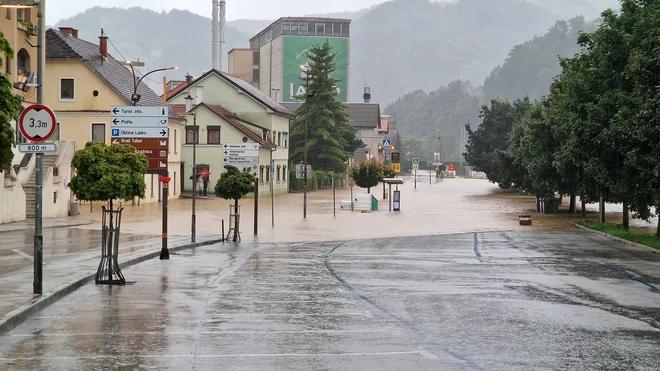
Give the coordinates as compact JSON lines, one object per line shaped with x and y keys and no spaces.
{"x":284,"y":174}
{"x":320,"y":29}
{"x":285,"y":140}
{"x":56,"y":135}
{"x":67,"y":89}
{"x":261,"y":174}
{"x":286,"y":28}
{"x":8,"y":13}
{"x":267,"y":174}
{"x":98,"y":133}
{"x":23,"y":14}
{"x":302,"y":28}
{"x":279,"y":167}
{"x":255,"y":75}
{"x":328,"y":29}
{"x":294,"y":28}
{"x":174,"y":182}
{"x":213,"y":135}
{"x":176,"y":142}
{"x":256,"y":58}
{"x":345,"y":28}
{"x":190,"y":135}
{"x":279,"y":140}
{"x":311,"y":27}
{"x":336,"y":29}
{"x":23,"y":60}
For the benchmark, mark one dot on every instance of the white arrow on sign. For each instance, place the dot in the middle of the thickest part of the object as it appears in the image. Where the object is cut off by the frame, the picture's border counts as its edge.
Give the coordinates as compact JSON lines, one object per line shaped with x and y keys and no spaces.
{"x":140,"y":121}
{"x":240,"y":152}
{"x":138,"y":111}
{"x":241,"y":160}
{"x":140,"y":133}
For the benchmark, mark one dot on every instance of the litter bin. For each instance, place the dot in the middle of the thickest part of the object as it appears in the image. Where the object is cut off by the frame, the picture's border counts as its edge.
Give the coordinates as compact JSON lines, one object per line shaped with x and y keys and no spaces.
{"x":396,"y":200}
{"x":73,"y":208}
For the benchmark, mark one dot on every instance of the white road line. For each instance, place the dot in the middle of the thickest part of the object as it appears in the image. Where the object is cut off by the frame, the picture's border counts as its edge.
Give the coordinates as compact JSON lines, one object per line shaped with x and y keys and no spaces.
{"x":21,"y":253}
{"x":220,"y":315}
{"x":428,"y":355}
{"x":256,"y":355}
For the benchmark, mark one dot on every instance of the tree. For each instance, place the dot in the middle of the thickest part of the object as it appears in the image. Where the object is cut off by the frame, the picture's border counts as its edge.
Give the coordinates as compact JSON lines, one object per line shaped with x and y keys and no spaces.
{"x":233,"y":185}
{"x":486,"y":145}
{"x":368,"y":173}
{"x":331,"y":137}
{"x":107,"y":173}
{"x":10,"y":108}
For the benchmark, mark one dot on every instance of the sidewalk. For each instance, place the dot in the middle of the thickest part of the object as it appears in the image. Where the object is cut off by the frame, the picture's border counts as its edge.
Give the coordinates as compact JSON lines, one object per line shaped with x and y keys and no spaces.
{"x":61,"y":277}
{"x":47,"y":223}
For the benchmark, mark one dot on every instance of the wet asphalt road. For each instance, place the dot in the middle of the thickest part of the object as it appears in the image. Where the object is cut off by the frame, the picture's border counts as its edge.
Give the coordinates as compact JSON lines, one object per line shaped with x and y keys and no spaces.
{"x":486,"y":301}
{"x":17,"y":247}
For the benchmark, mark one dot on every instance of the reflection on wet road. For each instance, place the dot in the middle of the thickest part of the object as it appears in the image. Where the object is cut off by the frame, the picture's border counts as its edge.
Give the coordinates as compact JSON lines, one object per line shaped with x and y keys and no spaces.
{"x":16,"y":248}
{"x":485,"y":301}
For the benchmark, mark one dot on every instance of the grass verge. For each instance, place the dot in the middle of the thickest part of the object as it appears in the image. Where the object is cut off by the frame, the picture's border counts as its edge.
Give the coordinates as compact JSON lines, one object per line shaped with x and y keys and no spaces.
{"x":647,"y":239}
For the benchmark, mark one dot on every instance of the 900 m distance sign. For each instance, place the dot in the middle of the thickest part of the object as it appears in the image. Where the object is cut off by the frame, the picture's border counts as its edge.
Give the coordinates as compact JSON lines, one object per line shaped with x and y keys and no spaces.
{"x":37,"y":123}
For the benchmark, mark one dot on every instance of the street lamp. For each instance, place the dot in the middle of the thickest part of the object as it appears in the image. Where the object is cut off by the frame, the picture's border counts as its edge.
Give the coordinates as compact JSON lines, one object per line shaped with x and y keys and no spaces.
{"x":309,"y":94}
{"x":135,"y":97}
{"x":439,"y":153}
{"x":189,"y":101}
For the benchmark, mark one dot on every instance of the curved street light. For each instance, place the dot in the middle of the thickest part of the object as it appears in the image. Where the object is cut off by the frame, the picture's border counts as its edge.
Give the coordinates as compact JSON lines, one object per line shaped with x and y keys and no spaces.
{"x":135,"y":97}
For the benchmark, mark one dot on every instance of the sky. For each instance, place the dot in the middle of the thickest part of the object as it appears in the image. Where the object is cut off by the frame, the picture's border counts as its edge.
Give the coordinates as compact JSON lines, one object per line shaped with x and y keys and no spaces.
{"x":236,"y":9}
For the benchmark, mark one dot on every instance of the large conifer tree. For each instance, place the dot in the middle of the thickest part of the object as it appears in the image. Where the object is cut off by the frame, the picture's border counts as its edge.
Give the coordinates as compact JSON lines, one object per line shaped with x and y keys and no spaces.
{"x":331,"y":137}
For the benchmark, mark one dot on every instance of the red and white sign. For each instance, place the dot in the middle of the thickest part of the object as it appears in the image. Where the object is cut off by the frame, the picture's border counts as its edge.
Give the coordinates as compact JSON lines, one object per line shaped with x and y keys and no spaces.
{"x":37,"y":123}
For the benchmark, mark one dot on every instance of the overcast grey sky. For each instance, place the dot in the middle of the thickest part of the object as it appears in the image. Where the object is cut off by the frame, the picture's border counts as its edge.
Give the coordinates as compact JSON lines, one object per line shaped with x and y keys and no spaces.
{"x":236,"y":9}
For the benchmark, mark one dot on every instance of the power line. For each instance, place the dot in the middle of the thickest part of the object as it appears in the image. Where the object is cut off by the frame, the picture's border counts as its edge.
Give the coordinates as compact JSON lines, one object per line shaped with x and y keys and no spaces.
{"x":121,"y":55}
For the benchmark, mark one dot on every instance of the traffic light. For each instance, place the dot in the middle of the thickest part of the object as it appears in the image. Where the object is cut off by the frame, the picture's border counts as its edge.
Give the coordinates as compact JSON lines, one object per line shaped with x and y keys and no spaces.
{"x":392,"y":148}
{"x":380,"y":148}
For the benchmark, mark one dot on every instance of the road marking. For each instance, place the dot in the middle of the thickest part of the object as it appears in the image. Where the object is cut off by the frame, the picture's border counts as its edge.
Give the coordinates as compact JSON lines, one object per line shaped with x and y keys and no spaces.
{"x":630,"y":276}
{"x":428,"y":355}
{"x":21,"y":253}
{"x":254,"y":355}
{"x":219,"y":332}
{"x":476,"y":249}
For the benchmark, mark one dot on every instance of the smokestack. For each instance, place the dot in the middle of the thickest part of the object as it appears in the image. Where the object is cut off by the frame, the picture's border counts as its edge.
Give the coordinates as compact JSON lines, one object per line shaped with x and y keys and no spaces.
{"x":215,"y":37}
{"x":103,"y":46}
{"x":223,"y":29}
{"x":367,"y":95}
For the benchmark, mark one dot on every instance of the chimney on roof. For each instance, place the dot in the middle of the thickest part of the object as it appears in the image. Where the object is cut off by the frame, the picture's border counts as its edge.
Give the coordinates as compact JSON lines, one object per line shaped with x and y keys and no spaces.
{"x":69,"y":31}
{"x":189,"y":79}
{"x":367,"y":95}
{"x":103,"y":44}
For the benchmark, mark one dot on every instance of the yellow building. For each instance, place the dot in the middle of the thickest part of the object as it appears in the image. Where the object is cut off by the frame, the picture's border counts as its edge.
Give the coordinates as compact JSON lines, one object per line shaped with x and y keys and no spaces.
{"x":19,"y":25}
{"x":83,"y":82}
{"x":230,"y":110}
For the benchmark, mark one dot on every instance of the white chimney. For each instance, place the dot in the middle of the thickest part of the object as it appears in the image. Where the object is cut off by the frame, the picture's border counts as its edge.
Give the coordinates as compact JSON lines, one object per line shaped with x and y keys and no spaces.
{"x":215,"y":37}
{"x":223,"y":29}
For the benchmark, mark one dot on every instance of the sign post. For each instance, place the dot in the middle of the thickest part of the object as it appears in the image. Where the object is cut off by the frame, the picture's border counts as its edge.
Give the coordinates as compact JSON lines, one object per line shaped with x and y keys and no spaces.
{"x":415,"y":164}
{"x":241,"y":155}
{"x":37,"y":124}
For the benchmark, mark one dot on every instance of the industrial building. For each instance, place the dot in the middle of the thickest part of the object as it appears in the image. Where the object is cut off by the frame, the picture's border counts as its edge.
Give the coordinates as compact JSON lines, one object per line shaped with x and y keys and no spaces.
{"x":273,"y":62}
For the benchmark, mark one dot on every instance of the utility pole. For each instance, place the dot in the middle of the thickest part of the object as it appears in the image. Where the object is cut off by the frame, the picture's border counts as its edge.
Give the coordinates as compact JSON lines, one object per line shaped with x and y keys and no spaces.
{"x":193,"y":223}
{"x":37,"y":284}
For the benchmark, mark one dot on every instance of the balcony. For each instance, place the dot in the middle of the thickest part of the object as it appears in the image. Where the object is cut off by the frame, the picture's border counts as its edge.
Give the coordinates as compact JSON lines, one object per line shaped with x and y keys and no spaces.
{"x":27,"y":26}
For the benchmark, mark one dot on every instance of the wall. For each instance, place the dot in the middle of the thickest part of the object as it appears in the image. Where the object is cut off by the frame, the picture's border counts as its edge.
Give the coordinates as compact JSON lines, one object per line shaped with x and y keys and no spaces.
{"x":58,"y":206}
{"x":371,"y":138}
{"x":12,"y":201}
{"x":240,"y":64}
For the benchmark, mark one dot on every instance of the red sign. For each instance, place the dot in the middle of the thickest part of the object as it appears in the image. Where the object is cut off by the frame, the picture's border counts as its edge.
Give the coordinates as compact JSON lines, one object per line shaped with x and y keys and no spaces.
{"x":157,"y":164}
{"x":37,"y":123}
{"x":156,"y":150}
{"x":451,"y":167}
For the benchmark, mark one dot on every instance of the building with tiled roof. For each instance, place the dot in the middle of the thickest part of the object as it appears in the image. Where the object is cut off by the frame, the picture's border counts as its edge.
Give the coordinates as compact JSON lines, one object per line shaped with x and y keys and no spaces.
{"x":229,"y":110}
{"x":83,"y":81}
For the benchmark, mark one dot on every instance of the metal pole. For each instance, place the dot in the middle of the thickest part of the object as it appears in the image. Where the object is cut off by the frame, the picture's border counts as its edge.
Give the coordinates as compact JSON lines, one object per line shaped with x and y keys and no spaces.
{"x":194,"y":176}
{"x":164,"y":252}
{"x":305,"y":153}
{"x":415,"y":179}
{"x":37,"y":285}
{"x":272,"y":192}
{"x":256,"y":207}
{"x":334,"y":201}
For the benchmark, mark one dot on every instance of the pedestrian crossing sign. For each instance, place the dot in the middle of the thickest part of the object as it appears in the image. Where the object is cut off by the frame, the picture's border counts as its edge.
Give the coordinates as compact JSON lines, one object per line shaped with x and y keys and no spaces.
{"x":415,"y":161}
{"x":387,"y":142}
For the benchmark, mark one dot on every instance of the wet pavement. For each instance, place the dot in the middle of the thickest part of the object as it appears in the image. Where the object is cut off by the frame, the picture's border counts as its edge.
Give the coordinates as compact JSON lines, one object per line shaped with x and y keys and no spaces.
{"x":472,"y":301}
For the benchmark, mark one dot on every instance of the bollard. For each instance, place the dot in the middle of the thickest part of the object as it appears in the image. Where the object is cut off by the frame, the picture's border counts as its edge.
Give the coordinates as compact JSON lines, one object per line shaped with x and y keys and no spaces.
{"x":223,"y":230}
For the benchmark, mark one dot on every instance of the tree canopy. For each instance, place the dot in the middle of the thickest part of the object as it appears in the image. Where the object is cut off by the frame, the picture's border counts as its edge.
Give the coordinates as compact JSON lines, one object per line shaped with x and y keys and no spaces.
{"x":234,"y":184}
{"x":330,"y":136}
{"x":368,"y":173}
{"x":10,"y":108}
{"x":105,"y":173}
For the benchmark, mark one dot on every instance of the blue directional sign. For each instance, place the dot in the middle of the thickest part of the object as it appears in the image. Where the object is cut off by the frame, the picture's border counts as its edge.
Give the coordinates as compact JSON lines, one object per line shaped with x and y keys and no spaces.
{"x":387,"y":142}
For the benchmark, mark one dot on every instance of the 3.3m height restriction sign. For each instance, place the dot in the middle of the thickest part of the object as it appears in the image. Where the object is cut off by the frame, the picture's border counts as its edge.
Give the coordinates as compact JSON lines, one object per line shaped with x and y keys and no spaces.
{"x":37,"y":123}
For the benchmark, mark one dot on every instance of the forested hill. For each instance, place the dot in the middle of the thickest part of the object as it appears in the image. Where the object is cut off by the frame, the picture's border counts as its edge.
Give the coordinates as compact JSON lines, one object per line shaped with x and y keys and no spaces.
{"x":528,"y":70}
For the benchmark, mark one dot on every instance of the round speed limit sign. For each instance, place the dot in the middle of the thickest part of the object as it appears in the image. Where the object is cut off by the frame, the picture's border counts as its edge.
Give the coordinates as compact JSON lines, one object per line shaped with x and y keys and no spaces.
{"x":37,"y":123}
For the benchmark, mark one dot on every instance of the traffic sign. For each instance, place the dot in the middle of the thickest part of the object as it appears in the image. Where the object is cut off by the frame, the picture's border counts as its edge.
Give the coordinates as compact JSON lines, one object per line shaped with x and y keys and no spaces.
{"x":396,"y":168}
{"x":395,"y":157}
{"x":139,"y":111}
{"x":246,"y":146}
{"x":415,"y":161}
{"x":272,"y":167}
{"x":157,"y":165}
{"x":247,"y":160}
{"x":37,"y":147}
{"x":142,"y":142}
{"x":387,"y":142}
{"x":140,"y":121}
{"x":240,"y":152}
{"x":140,"y":133}
{"x":37,"y":123}
{"x":300,"y":171}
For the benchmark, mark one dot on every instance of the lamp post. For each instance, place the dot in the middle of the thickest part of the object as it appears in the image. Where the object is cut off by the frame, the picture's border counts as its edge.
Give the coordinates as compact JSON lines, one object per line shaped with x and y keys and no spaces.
{"x":193,"y":227}
{"x":135,"y":97}
{"x":308,"y":94}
